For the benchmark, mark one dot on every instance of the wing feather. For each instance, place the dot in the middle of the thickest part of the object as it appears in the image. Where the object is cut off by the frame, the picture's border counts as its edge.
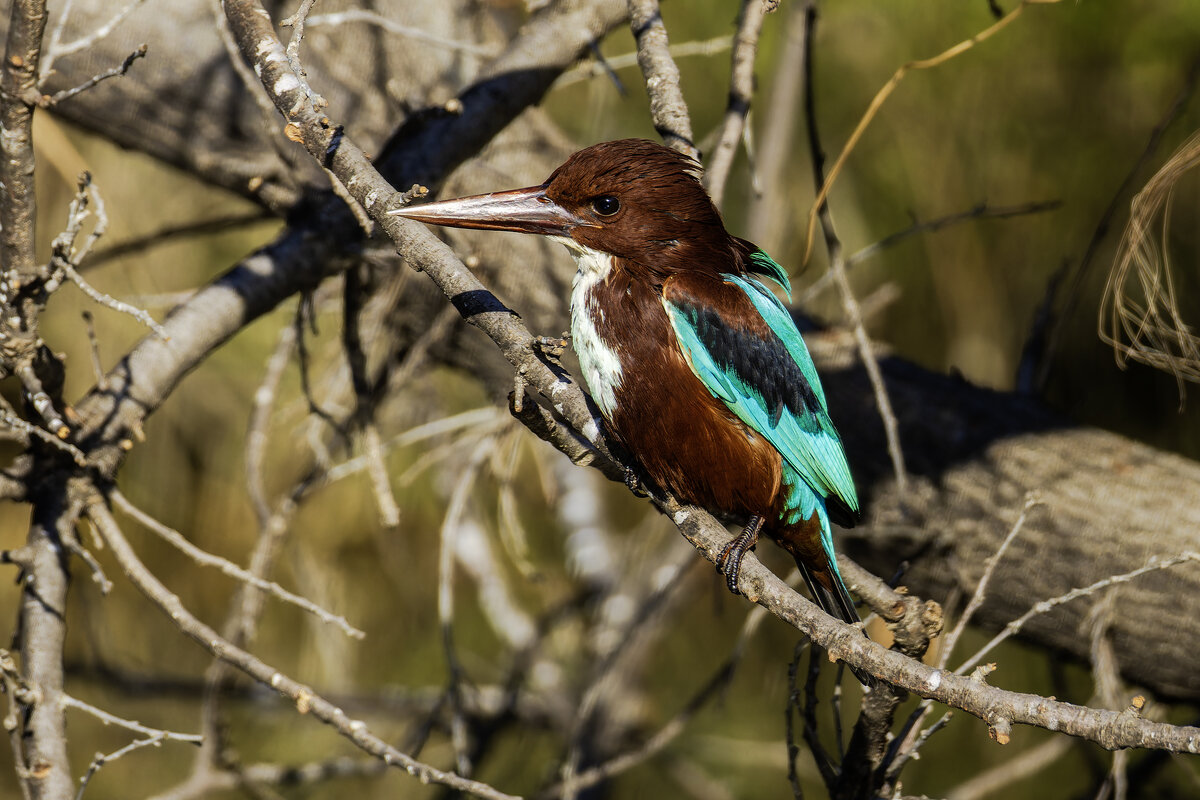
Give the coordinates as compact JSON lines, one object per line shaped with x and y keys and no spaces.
{"x":770,"y":383}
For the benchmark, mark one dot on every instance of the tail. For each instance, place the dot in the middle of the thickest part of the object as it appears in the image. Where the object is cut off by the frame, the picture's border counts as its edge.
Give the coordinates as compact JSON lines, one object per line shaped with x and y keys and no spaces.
{"x":833,"y":598}
{"x":835,"y":601}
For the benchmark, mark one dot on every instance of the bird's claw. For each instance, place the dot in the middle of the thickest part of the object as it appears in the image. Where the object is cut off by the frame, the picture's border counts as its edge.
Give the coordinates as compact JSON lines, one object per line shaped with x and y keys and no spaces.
{"x":552,"y":346}
{"x":634,"y":483}
{"x":729,"y":563}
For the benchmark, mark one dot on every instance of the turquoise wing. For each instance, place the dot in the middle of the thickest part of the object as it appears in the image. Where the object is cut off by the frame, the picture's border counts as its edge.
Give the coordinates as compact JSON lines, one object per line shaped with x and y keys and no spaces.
{"x":768,"y":382}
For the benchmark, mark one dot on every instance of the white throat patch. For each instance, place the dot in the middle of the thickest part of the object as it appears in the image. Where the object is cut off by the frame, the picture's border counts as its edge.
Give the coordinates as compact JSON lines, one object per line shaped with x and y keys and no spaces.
{"x":598,"y":360}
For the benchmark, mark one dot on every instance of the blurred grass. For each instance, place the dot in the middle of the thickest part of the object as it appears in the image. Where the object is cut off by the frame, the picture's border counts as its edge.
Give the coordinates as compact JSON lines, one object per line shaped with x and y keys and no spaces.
{"x":1059,"y":106}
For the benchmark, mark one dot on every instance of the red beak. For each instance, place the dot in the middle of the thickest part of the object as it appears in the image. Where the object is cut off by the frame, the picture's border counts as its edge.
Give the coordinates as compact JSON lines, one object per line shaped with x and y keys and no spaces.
{"x":522,"y":210}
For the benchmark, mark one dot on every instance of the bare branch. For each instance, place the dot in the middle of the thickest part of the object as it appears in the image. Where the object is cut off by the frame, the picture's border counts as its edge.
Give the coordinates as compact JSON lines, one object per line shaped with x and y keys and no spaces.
{"x":668,"y":110}
{"x":947,"y":646}
{"x":49,"y":101}
{"x":128,"y":724}
{"x":296,"y":23}
{"x":392,"y":26}
{"x":305,"y":698}
{"x":66,"y":256}
{"x":837,"y":266}
{"x":55,"y":50}
{"x":741,"y":89}
{"x":15,"y":423}
{"x":588,"y":71}
{"x":227,"y":567}
{"x":1152,"y":564}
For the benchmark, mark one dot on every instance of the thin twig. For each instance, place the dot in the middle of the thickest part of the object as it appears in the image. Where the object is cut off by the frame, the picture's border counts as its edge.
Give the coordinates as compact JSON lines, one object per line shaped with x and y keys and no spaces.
{"x":103,"y":299}
{"x":977,"y":598}
{"x":55,"y":51}
{"x":741,"y":89}
{"x":94,"y":351}
{"x":296,"y":23}
{"x":794,"y":703}
{"x":1153,"y":564}
{"x":837,"y":266}
{"x":227,"y":567}
{"x":980,"y":211}
{"x":168,"y":233}
{"x":360,"y":15}
{"x":128,"y":724}
{"x":9,"y":417}
{"x":49,"y":101}
{"x":305,"y":698}
{"x":66,"y":256}
{"x":590,"y":70}
{"x":882,"y":95}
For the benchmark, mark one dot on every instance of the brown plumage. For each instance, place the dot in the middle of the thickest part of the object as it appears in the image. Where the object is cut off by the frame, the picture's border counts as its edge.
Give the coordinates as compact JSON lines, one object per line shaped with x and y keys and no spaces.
{"x":653,"y":256}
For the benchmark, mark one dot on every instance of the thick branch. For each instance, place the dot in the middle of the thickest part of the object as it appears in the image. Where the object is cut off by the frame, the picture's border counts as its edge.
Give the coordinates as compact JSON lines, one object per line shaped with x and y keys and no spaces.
{"x":18,"y":96}
{"x":999,"y":708}
{"x":46,"y":770}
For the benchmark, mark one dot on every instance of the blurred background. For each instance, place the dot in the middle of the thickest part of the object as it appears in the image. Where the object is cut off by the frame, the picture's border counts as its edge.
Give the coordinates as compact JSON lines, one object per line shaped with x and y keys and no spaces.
{"x":1057,"y":108}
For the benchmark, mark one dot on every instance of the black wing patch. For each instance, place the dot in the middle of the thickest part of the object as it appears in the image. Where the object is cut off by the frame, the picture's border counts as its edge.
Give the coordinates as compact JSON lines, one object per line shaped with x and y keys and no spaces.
{"x":762,"y":364}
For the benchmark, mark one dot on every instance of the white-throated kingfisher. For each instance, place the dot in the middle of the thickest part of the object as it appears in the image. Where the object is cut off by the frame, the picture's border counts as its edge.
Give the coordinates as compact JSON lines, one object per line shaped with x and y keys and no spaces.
{"x":696,"y":366}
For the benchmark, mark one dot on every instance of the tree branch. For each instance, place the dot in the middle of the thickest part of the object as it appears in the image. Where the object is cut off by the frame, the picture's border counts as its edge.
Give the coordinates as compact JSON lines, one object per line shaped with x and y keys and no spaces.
{"x":668,"y":109}
{"x":999,"y":708}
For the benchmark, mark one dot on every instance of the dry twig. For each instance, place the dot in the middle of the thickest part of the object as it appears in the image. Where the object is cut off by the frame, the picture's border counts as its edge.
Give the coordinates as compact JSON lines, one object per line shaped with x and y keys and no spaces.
{"x":668,"y":110}
{"x":741,"y":89}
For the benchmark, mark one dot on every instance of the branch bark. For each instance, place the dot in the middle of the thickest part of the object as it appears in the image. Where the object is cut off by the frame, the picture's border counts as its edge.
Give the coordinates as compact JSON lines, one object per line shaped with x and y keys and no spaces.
{"x":42,"y":631}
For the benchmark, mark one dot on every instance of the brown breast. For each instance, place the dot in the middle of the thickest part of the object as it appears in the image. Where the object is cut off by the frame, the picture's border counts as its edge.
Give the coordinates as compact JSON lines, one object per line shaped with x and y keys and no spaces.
{"x":685,"y":439}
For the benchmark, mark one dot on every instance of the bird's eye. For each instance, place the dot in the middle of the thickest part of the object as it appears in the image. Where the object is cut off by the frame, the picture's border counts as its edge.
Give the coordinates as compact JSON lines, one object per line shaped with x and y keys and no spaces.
{"x":606,"y":205}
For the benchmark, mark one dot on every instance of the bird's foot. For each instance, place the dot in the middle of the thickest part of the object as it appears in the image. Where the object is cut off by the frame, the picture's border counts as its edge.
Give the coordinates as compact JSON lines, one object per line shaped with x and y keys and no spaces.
{"x":729,"y":563}
{"x":634,"y":483}
{"x":552,"y":346}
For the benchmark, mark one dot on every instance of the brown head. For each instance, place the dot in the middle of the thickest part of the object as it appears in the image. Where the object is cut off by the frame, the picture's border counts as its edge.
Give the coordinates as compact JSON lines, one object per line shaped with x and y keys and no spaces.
{"x":631,"y":198}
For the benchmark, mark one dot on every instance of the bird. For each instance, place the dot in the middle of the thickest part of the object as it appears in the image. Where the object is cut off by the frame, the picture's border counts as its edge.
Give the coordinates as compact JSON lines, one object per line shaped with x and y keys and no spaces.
{"x":697,"y":368}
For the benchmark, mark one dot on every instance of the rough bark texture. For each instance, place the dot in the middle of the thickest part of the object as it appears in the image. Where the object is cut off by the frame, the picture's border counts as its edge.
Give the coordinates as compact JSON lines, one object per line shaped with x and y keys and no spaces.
{"x":1109,"y":504}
